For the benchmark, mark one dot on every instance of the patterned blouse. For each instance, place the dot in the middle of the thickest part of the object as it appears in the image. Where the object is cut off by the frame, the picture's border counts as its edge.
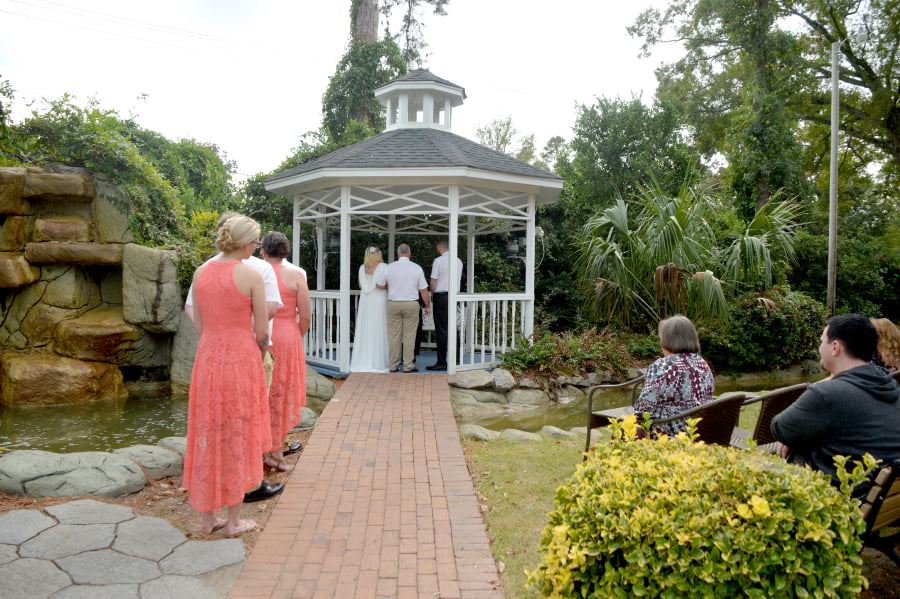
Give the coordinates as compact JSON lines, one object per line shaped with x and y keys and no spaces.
{"x":674,"y":384}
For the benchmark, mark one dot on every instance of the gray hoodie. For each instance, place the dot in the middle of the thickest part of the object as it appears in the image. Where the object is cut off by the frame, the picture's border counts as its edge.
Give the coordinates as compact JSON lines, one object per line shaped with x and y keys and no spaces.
{"x":854,"y":413}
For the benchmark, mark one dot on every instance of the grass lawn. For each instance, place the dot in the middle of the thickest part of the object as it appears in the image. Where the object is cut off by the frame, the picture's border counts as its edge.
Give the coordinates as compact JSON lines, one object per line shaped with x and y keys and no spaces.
{"x":517,"y":482}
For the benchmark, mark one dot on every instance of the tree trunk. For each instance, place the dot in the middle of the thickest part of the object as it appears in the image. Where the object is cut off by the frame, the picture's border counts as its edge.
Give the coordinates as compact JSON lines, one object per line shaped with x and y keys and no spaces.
{"x":365,"y":21}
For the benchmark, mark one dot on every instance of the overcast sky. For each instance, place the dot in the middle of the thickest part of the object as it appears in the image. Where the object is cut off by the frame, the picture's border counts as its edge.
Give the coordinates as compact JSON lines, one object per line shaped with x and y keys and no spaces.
{"x":249,"y":75}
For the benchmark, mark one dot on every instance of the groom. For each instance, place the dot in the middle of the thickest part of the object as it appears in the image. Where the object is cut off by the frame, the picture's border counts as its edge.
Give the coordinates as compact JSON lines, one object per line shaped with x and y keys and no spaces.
{"x":405,"y":285}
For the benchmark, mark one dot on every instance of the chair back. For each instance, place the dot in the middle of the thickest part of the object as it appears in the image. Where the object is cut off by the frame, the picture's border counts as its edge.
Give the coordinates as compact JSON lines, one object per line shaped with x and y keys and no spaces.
{"x":772,"y":404}
{"x":881,"y":507}
{"x":718,"y":418}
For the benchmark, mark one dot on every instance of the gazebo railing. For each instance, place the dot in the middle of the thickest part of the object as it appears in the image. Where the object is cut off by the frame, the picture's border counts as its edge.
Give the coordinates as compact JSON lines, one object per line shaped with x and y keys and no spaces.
{"x":489,"y":325}
{"x":322,"y":341}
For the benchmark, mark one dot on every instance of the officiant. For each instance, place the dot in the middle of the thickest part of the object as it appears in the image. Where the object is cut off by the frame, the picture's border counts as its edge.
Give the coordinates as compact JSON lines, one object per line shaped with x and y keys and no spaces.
{"x":440,"y":296}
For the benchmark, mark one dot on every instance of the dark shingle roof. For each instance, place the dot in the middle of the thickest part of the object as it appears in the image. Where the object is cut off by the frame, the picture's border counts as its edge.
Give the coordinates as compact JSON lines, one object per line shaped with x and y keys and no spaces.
{"x":426,"y":75}
{"x":417,"y":148}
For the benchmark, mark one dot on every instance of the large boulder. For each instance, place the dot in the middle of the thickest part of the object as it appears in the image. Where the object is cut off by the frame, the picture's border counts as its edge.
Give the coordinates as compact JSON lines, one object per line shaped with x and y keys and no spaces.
{"x":478,"y":432}
{"x":74,"y":253}
{"x":503,"y":379}
{"x":15,"y":271}
{"x":109,"y":211}
{"x":62,"y":228}
{"x":67,"y":186}
{"x":12,"y":184}
{"x":103,"y":335}
{"x":534,"y":397}
{"x":46,"y":474}
{"x":512,"y":434}
{"x":184,"y":348}
{"x":15,"y":232}
{"x":43,"y":379}
{"x":318,"y":386}
{"x":72,"y":289}
{"x":472,"y":379}
{"x":151,"y":296}
{"x":476,"y":395}
{"x":159,"y":462}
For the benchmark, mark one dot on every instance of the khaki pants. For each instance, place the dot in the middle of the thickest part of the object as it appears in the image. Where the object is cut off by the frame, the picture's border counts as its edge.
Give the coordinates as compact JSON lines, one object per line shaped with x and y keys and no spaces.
{"x":403,"y":320}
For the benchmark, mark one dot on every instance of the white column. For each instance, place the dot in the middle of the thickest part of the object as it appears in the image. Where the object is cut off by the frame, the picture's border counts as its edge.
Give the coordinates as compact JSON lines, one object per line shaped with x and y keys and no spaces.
{"x":392,"y":238}
{"x":453,"y":238}
{"x":344,"y":318}
{"x":447,"y":111}
{"x":296,"y":236}
{"x":428,"y":109}
{"x":470,"y":256}
{"x":389,"y":113}
{"x":529,"y":268}
{"x":404,"y":109}
{"x":320,"y":254}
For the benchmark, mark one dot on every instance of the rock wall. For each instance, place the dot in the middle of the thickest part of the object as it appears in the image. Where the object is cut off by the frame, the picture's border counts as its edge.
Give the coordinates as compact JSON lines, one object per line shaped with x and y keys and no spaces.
{"x":79,"y":302}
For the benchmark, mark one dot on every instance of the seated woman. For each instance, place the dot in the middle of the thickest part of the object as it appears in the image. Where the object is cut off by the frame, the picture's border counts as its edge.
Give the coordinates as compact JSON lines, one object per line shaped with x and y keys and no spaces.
{"x":678,"y":381}
{"x":887,"y":354}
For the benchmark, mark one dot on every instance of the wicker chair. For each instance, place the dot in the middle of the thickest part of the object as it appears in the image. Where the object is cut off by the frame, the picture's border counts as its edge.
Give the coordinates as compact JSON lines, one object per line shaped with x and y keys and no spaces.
{"x":881,"y":509}
{"x":773,"y":403}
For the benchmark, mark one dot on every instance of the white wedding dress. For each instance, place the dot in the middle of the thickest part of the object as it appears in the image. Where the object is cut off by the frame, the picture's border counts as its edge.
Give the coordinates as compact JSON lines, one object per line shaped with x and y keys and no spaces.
{"x":370,"y":340}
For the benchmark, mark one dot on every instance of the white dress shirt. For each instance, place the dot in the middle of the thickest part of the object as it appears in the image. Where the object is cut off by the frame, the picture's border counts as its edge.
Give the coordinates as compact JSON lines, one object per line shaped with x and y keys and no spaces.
{"x":440,"y":271}
{"x":404,"y":280}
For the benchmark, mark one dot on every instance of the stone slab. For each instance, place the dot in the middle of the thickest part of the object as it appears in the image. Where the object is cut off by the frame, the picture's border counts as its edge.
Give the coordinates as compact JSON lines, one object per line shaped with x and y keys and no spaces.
{"x":534,"y":397}
{"x":7,"y":553}
{"x":74,"y":253}
{"x":478,"y":432}
{"x":512,"y":434}
{"x":472,"y":379}
{"x":73,"y":288}
{"x":17,"y":526}
{"x":46,"y":474}
{"x":16,"y":271}
{"x":176,"y":444}
{"x":150,"y":538}
{"x":109,"y":212}
{"x":12,"y":184}
{"x":15,"y":232}
{"x":27,"y":577}
{"x":62,"y":228}
{"x":106,"y":591}
{"x":199,"y":557}
{"x":90,"y":511}
{"x":46,"y":379}
{"x":58,"y":186}
{"x":64,"y":540}
{"x":102,"y":335}
{"x":168,"y":587}
{"x":151,"y":295}
{"x":476,"y":395}
{"x":108,"y":567}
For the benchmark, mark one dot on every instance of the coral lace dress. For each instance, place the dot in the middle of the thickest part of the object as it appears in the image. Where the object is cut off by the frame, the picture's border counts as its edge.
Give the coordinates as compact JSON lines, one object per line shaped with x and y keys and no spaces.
{"x":228,"y":409}
{"x":288,"y":393}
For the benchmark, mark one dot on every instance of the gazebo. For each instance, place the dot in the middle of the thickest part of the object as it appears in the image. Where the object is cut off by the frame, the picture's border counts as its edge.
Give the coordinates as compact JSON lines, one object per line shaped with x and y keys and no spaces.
{"x":417,"y":178}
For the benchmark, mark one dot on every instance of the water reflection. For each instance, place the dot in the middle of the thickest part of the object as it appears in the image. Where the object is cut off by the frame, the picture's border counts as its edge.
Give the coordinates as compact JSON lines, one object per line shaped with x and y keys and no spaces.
{"x":92,"y":427}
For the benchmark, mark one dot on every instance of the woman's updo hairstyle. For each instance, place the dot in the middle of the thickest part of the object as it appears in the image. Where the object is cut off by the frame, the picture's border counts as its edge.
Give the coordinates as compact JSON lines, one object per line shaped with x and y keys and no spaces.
{"x":237,"y":232}
{"x":275,"y":245}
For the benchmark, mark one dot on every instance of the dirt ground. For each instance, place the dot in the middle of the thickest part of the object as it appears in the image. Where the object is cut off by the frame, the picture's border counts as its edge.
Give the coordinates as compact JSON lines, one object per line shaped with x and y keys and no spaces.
{"x":167,"y":499}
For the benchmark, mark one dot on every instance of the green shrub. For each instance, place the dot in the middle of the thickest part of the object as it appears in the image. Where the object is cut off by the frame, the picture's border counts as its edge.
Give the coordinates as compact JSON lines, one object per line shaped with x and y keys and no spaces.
{"x":644,"y":346}
{"x":775,"y":329}
{"x":552,"y":354}
{"x":674,"y":518}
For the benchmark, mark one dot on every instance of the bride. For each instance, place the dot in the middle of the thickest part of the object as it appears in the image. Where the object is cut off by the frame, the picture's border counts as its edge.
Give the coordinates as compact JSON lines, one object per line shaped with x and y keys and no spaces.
{"x":370,"y":341}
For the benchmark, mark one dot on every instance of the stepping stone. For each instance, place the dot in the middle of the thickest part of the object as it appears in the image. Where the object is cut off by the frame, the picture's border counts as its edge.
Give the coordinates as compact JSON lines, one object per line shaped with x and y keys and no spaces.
{"x":159,"y":462}
{"x":167,"y":587}
{"x":107,"y":567}
{"x":41,"y":473}
{"x":478,"y":432}
{"x":512,"y":434}
{"x":68,"y":539}
{"x":7,"y":553}
{"x":18,"y":526}
{"x":108,"y":591}
{"x":176,"y":444}
{"x":89,"y":511}
{"x":200,"y":557}
{"x":27,"y":577}
{"x":150,"y":538}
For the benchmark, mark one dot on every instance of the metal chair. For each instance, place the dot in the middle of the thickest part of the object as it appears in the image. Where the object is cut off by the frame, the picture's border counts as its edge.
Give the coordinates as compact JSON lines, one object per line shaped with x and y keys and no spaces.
{"x":718,"y":418}
{"x":599,"y":419}
{"x":773,"y":403}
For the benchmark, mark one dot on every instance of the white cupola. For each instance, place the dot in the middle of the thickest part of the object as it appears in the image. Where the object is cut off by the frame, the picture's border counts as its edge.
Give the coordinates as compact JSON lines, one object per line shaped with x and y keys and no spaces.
{"x":419,"y":99}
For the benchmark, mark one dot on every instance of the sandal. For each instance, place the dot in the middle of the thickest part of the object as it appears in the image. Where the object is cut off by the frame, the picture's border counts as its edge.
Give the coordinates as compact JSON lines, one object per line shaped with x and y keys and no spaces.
{"x":219,"y":523}
{"x":279,"y":465}
{"x":242,"y":527}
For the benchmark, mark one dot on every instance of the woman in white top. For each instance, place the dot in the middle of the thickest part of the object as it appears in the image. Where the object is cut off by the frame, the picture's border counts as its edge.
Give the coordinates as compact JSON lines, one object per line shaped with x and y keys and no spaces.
{"x":370,"y":341}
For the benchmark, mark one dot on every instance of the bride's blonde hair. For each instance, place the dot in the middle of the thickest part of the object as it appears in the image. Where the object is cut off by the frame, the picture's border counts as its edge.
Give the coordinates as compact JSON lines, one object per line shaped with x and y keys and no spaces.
{"x":372,"y":257}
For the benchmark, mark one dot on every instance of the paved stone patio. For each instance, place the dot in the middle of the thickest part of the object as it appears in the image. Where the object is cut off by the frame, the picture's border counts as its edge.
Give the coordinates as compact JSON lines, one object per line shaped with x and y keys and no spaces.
{"x":94,"y":550}
{"x":380,"y":505}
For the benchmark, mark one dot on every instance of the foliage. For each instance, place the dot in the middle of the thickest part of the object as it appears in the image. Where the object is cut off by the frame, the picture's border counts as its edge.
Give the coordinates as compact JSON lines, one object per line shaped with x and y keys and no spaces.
{"x":672,"y":517}
{"x":411,"y":26}
{"x":776,"y":329}
{"x":197,"y":246}
{"x":644,"y":346}
{"x":552,"y":354}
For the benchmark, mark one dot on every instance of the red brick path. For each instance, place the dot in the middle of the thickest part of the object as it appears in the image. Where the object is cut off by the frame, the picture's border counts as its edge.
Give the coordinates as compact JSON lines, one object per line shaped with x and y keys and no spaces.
{"x":380,"y":505}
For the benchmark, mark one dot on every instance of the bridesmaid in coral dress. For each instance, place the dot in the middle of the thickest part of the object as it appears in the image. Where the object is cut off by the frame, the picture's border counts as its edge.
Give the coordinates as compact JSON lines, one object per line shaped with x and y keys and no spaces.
{"x":228,"y":411}
{"x":287,"y":395}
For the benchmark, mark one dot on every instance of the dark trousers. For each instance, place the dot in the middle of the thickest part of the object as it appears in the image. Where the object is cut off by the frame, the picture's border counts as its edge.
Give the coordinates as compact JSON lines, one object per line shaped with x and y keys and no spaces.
{"x":441,"y":320}
{"x":419,"y":328}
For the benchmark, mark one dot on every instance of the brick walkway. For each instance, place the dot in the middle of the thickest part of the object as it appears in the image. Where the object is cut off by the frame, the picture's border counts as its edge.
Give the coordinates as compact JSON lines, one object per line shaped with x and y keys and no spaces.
{"x":380,"y":505}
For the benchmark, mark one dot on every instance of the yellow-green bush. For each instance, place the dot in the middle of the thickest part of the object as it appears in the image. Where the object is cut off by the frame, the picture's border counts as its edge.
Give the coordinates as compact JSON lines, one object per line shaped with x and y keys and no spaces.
{"x":675,"y":518}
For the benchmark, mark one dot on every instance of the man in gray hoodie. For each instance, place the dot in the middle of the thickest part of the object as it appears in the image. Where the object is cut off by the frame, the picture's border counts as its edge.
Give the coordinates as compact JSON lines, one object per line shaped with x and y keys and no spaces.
{"x":855,"y":412}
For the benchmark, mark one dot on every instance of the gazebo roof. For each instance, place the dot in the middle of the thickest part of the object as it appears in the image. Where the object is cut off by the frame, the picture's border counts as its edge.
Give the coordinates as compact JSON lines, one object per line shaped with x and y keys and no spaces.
{"x":426,"y":75}
{"x":417,"y":148}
